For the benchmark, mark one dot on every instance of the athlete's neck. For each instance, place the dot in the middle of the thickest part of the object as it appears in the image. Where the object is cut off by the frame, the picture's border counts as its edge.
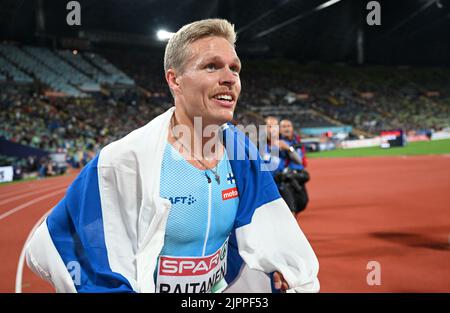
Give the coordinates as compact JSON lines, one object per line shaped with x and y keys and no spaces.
{"x":199,"y":138}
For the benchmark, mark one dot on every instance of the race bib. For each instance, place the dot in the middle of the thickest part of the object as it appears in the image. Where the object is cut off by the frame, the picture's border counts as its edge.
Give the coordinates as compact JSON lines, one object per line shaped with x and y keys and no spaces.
{"x":192,"y":274}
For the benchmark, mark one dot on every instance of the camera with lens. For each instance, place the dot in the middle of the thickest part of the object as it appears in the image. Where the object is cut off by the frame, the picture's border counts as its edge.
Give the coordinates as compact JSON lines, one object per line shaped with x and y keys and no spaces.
{"x":296,"y":178}
{"x":291,"y":184}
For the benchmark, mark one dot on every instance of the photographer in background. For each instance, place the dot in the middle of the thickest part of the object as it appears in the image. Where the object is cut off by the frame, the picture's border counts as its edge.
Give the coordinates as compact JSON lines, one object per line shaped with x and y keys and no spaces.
{"x":288,"y":135}
{"x":288,"y":158}
{"x":294,"y":166}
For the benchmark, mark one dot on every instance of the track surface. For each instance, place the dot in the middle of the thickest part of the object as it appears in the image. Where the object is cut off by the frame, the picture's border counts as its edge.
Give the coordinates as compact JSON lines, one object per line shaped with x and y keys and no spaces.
{"x":392,"y":210}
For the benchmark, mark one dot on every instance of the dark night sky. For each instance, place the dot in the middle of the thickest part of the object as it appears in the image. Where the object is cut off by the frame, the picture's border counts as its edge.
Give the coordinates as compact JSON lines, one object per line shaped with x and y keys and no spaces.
{"x":412,"y":31}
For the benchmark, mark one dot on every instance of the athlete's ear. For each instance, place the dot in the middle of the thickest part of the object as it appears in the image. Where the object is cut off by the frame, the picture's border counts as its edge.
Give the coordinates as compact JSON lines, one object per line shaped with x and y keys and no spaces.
{"x":173,"y":80}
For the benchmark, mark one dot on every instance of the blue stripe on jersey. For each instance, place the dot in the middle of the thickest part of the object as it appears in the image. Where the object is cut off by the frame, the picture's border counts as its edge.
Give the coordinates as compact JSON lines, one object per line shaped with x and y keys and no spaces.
{"x":255,"y":185}
{"x":254,"y":181}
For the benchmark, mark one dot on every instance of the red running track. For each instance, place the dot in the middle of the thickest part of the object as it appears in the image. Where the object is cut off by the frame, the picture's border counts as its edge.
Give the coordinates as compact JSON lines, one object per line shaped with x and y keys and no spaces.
{"x":394,"y":211}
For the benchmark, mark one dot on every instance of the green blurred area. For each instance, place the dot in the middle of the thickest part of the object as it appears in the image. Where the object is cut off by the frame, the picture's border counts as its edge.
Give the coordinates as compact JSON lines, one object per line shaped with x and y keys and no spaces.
{"x":413,"y":148}
{"x":19,"y":181}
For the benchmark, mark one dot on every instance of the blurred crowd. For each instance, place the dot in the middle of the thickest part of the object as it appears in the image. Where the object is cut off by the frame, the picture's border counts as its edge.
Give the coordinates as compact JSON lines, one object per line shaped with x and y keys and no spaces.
{"x":78,"y":128}
{"x":370,"y":99}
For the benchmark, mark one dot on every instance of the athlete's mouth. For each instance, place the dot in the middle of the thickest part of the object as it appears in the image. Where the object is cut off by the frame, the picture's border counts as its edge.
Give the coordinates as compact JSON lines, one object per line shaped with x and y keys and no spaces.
{"x":225,"y":96}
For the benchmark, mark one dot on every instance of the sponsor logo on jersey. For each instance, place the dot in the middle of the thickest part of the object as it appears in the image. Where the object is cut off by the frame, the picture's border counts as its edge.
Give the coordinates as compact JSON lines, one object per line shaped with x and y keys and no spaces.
{"x":183,"y":200}
{"x":231,"y":193}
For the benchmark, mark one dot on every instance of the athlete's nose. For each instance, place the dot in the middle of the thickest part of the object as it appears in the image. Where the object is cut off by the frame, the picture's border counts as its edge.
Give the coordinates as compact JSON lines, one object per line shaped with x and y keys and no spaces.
{"x":228,"y":77}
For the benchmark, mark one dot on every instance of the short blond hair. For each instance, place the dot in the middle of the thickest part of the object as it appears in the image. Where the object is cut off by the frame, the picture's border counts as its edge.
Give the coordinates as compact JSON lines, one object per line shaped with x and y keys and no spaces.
{"x":177,"y":49}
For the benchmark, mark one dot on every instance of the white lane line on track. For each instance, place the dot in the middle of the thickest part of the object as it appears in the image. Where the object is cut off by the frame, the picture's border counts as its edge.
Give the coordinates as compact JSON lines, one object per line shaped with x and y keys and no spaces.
{"x":21,"y":190}
{"x":26,"y":204}
{"x":31,"y":193}
{"x":26,"y":187}
{"x":19,"y":272}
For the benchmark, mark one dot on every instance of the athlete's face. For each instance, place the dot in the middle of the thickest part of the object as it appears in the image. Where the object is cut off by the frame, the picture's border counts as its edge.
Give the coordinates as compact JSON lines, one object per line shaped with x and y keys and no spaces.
{"x":286,"y":129}
{"x":210,"y":85}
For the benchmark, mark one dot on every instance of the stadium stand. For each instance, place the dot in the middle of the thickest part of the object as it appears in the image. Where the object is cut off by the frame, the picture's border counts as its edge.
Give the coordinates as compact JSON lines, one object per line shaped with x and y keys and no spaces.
{"x":39,"y":70}
{"x":312,"y":96}
{"x":63,"y":69}
{"x":116,"y":75}
{"x":8,"y":69}
{"x":83,"y":65}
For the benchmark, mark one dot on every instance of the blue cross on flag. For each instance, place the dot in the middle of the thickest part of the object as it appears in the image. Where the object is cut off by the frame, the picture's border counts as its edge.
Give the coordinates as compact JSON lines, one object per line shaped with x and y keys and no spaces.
{"x":230,"y":178}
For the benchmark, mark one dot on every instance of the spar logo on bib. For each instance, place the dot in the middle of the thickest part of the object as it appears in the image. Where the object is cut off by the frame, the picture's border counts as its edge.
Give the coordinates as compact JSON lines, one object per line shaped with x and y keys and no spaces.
{"x":231,"y":193}
{"x":191,"y":266}
{"x":192,"y":274}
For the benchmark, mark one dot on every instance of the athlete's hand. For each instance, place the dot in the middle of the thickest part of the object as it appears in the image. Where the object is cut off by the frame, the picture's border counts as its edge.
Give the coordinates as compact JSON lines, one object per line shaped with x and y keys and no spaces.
{"x":280,"y":282}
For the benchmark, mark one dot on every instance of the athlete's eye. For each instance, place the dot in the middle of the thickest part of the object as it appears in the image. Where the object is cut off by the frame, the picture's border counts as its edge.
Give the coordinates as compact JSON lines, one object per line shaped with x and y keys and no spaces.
{"x":235,"y":69}
{"x":211,"y":67}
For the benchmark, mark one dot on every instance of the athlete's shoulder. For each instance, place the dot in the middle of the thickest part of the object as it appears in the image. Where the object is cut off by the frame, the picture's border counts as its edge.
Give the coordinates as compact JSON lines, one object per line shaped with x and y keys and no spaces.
{"x":136,"y":146}
{"x":236,"y":137}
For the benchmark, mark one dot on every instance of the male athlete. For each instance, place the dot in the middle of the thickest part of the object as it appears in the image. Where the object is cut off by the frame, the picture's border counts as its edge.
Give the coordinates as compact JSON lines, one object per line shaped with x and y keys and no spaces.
{"x":175,"y":206}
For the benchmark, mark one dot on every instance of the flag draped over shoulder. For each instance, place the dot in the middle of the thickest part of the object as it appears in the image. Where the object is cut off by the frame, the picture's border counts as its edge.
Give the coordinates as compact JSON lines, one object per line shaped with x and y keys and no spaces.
{"x":106,"y":233}
{"x":76,"y":228}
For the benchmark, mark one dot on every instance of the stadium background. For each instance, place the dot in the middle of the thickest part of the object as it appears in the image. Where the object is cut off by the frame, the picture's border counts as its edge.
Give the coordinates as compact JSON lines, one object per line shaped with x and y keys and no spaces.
{"x":66,"y":91}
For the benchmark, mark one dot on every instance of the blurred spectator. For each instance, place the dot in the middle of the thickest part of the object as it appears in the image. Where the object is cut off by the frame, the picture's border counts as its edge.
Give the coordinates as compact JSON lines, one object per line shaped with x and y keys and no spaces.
{"x":369,"y":99}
